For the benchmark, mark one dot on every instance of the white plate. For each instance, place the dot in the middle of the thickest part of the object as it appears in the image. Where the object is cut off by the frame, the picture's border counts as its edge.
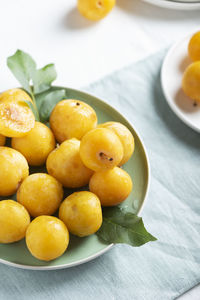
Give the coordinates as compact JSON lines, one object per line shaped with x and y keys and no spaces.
{"x":173,"y":67}
{"x":175,"y":5}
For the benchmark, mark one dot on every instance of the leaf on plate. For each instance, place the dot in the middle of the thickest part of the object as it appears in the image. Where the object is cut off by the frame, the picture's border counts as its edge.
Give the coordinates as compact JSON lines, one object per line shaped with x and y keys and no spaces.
{"x":120,"y":226}
{"x":49,"y":102}
{"x":23,"y":67}
{"x":32,"y":107}
{"x":43,"y":78}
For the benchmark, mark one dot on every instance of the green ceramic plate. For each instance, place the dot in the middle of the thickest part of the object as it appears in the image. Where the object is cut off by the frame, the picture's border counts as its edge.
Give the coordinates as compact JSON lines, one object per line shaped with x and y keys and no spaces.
{"x":81,"y":250}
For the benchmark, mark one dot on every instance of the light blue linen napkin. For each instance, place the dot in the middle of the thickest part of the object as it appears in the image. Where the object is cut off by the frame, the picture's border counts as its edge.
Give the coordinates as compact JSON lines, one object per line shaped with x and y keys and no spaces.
{"x":159,"y":270}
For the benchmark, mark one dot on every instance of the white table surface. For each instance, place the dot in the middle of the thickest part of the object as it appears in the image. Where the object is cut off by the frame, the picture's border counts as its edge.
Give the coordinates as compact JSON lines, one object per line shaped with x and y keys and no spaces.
{"x":83,"y":51}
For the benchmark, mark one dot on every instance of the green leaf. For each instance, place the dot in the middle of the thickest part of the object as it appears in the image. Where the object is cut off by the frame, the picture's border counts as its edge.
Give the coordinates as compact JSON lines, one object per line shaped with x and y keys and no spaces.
{"x":34,"y":110}
{"x":43,"y":78}
{"x":120,"y":226}
{"x":49,"y":102}
{"x":23,"y":67}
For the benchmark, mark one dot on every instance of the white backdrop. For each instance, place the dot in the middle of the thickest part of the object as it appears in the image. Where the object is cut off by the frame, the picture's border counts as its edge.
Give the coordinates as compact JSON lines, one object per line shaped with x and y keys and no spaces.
{"x":83,"y":51}
{"x":53,"y":31}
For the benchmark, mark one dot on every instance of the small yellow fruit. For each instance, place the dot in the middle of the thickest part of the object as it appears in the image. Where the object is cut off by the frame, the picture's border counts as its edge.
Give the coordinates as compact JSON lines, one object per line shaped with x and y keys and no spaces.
{"x":36,"y":145}
{"x":2,"y":140}
{"x":14,"y":169}
{"x":16,"y":118}
{"x":125,"y":137}
{"x":14,"y":220}
{"x":101,"y":149}
{"x":72,"y":119}
{"x":41,"y":194}
{"x":81,"y":212}
{"x":191,"y":81}
{"x":47,"y":238}
{"x":14,"y":95}
{"x":65,"y":164}
{"x":194,"y":47}
{"x":111,"y":186}
{"x":95,"y":9}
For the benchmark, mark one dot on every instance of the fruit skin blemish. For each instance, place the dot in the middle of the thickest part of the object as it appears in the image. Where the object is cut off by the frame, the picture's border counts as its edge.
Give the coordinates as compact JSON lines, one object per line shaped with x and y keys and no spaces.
{"x":101,"y":149}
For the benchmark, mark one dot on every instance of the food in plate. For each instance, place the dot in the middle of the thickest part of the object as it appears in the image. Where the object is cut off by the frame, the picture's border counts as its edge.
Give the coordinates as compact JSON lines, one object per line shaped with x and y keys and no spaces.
{"x":16,"y":117}
{"x":191,"y":81}
{"x":36,"y":145}
{"x":81,"y":212}
{"x":40,"y":194}
{"x":14,"y":221}
{"x":65,"y":164}
{"x":72,"y":119}
{"x":47,"y":238}
{"x":194,"y":47}
{"x":125,"y":136}
{"x":15,"y":96}
{"x":86,"y":154}
{"x":14,"y":169}
{"x":191,"y":75}
{"x":112,"y":186}
{"x":101,"y":149}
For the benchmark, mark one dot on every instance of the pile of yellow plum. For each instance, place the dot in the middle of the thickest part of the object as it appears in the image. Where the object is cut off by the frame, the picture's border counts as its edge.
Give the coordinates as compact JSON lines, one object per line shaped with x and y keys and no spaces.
{"x":77,"y":152}
{"x":191,"y":76}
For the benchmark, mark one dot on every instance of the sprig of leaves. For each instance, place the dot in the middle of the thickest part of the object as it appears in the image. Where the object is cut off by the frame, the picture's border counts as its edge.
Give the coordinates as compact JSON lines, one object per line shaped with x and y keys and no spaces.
{"x":48,"y":103}
{"x":23,"y":67}
{"x":120,"y":226}
{"x":36,"y":82}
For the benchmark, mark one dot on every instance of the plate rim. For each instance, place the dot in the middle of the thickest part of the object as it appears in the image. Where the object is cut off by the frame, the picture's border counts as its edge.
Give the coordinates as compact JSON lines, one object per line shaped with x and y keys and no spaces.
{"x":174,"y":5}
{"x":164,"y":87}
{"x":99,"y":253}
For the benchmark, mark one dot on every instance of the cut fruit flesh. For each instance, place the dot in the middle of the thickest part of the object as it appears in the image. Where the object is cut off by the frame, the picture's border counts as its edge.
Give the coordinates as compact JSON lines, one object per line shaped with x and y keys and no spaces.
{"x":16,"y":119}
